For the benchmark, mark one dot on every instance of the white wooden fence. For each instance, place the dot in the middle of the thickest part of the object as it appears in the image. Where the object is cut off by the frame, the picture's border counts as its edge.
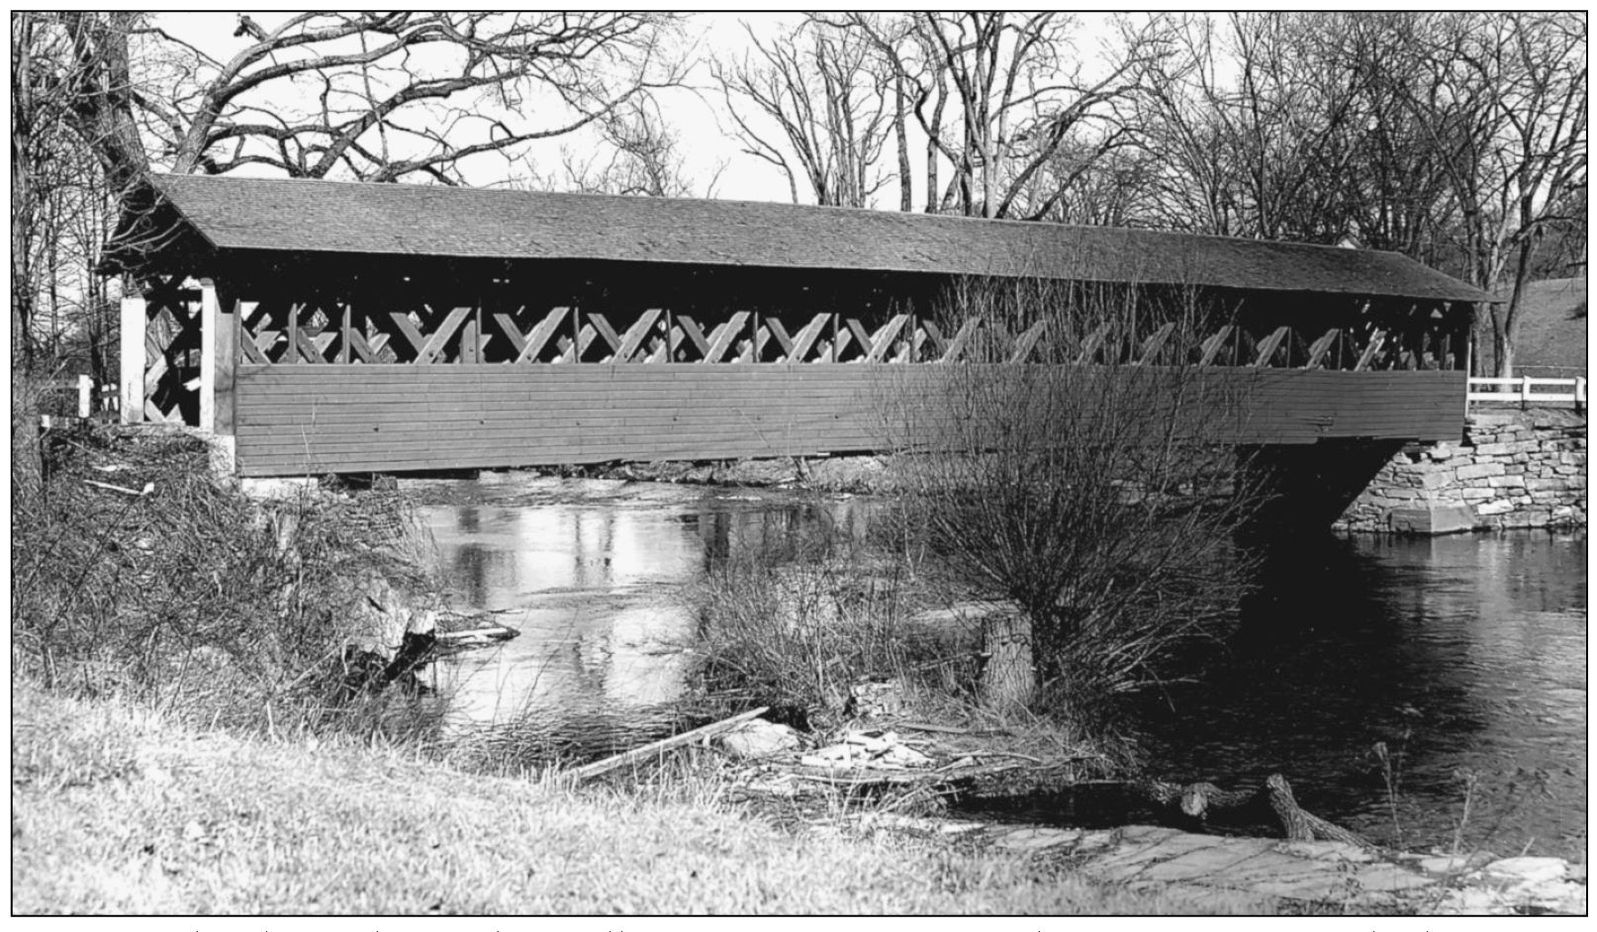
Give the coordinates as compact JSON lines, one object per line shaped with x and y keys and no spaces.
{"x":1525,"y":391}
{"x":91,"y":398}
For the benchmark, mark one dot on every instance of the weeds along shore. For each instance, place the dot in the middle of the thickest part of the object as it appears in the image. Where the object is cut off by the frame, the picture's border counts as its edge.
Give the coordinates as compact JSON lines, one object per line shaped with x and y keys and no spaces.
{"x":136,"y":574}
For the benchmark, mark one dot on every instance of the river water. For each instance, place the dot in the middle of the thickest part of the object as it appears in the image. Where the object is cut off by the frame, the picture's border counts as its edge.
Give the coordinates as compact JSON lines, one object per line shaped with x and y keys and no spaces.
{"x":1465,"y":656}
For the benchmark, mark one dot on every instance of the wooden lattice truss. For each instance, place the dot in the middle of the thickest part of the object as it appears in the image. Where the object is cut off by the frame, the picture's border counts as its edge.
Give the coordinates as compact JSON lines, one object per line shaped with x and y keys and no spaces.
{"x":331,"y":331}
{"x":171,"y":350}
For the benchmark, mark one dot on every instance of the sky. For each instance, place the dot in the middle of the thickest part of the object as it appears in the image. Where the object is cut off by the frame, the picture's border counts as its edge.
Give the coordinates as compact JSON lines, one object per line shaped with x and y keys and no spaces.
{"x":708,"y":140}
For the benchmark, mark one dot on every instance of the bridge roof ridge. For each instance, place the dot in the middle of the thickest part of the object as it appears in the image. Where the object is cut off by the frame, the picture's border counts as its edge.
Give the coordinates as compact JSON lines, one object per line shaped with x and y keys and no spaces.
{"x":318,"y":216}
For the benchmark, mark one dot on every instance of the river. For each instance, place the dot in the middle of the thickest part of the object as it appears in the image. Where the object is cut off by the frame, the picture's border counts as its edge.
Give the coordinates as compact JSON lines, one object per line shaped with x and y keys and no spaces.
{"x":1464,"y":655}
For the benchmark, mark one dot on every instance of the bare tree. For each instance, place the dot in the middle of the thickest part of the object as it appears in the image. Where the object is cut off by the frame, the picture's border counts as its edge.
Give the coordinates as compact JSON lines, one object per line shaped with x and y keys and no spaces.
{"x":1457,"y":138}
{"x":640,"y":154}
{"x":376,"y":95}
{"x":1395,"y":192}
{"x":1264,"y":153}
{"x":828,"y":98}
{"x":1539,"y":155}
{"x":1018,"y":96}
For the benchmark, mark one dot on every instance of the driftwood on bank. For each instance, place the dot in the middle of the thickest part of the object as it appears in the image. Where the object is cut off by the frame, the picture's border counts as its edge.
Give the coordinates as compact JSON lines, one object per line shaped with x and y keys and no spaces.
{"x":860,"y":777}
{"x":1198,"y":800}
{"x":597,"y":768}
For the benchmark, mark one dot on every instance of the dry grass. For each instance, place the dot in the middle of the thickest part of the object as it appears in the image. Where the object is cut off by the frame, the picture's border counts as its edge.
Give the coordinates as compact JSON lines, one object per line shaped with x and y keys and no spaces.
{"x":118,"y":810}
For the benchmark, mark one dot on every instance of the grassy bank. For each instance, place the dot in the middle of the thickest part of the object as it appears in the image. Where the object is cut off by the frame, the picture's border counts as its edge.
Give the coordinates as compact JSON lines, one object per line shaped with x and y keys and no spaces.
{"x":118,"y":809}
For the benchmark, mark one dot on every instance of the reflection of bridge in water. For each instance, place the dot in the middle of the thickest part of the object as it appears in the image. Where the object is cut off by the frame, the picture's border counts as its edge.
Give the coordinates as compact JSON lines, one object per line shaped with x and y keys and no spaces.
{"x":597,"y":589}
{"x":323,"y":327}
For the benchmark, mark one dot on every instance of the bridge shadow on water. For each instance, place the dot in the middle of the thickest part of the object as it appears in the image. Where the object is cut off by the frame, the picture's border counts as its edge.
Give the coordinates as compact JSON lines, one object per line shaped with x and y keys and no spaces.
{"x":1459,"y":656}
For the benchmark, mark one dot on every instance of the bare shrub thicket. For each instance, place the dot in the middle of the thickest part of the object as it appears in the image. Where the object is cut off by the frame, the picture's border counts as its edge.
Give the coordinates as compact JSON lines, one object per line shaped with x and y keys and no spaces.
{"x":800,"y":619}
{"x":1085,"y":485}
{"x":136,"y":573}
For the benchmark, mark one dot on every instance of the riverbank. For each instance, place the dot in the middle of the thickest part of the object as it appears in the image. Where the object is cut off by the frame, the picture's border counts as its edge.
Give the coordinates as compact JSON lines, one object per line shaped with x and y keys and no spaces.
{"x":118,"y":810}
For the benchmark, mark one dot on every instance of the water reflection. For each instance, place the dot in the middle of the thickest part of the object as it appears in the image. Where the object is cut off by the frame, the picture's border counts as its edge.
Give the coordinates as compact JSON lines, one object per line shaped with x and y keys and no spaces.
{"x":593,"y":580}
{"x":1460,"y":653}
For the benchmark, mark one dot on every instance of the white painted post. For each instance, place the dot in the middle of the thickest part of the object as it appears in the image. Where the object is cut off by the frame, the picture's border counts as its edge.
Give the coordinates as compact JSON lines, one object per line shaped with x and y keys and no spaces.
{"x":208,"y":314}
{"x":1524,"y":391}
{"x":132,"y":351}
{"x":1580,"y":393}
{"x":85,"y":396}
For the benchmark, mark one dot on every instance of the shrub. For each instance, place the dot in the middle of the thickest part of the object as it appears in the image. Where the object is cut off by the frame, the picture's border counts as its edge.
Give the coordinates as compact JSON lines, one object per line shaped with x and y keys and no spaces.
{"x":1097,"y":498}
{"x":175,"y":588}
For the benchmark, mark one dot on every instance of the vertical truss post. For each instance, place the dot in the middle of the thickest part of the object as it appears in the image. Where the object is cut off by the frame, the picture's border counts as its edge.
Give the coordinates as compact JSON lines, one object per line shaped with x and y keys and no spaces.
{"x":134,"y":320}
{"x":218,"y":359}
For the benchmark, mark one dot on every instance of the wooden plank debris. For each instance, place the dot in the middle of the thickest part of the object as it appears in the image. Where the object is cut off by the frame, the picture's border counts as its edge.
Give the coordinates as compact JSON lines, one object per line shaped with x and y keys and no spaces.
{"x":599,"y":768}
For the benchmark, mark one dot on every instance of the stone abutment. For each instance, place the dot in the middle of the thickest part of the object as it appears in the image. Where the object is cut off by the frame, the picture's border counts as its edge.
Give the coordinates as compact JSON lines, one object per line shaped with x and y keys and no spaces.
{"x":1512,"y":469}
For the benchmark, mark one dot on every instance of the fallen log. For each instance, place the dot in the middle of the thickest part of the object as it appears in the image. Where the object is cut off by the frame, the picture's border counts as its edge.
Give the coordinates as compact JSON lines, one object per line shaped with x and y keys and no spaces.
{"x":1299,"y":823}
{"x":950,"y":729}
{"x":477,"y":637}
{"x":856,"y":777}
{"x":1198,"y":800}
{"x":597,"y":768}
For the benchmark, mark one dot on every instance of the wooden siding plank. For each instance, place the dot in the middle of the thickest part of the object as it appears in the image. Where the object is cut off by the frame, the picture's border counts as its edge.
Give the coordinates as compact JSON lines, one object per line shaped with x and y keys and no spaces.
{"x":294,"y":420}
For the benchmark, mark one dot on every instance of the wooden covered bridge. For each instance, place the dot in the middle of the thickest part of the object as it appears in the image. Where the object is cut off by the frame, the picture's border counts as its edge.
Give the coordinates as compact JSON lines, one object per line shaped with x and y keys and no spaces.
{"x":339,"y":327}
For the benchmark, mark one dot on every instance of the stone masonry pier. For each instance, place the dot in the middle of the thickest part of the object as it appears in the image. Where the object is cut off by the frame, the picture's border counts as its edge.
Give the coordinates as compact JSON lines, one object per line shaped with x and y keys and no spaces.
{"x":1514,"y":469}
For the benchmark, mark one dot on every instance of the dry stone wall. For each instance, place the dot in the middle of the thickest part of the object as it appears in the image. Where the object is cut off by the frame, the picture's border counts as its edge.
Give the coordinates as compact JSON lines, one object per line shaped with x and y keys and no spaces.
{"x":1514,"y":469}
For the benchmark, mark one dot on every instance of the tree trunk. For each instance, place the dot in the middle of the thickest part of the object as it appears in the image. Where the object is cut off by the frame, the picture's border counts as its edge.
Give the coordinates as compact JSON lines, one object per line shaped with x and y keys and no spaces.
{"x":102,"y":103}
{"x":906,"y":201}
{"x":1009,"y":678}
{"x":21,"y":151}
{"x":1508,"y":331}
{"x":1499,"y":344}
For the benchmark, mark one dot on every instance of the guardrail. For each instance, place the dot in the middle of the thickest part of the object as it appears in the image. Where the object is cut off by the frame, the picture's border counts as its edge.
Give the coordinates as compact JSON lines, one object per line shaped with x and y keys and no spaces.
{"x":1523,"y":391}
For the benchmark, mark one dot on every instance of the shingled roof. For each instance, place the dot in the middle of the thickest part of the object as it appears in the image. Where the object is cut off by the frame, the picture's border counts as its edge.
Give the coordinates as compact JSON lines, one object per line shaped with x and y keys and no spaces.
{"x":280,"y":215}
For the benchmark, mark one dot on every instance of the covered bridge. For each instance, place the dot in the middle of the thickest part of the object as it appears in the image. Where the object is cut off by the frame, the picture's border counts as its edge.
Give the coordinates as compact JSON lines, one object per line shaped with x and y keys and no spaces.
{"x":346,"y":327}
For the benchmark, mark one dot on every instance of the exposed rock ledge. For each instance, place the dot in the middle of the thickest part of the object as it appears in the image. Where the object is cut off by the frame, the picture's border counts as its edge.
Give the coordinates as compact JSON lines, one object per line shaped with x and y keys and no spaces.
{"x":1318,"y":872}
